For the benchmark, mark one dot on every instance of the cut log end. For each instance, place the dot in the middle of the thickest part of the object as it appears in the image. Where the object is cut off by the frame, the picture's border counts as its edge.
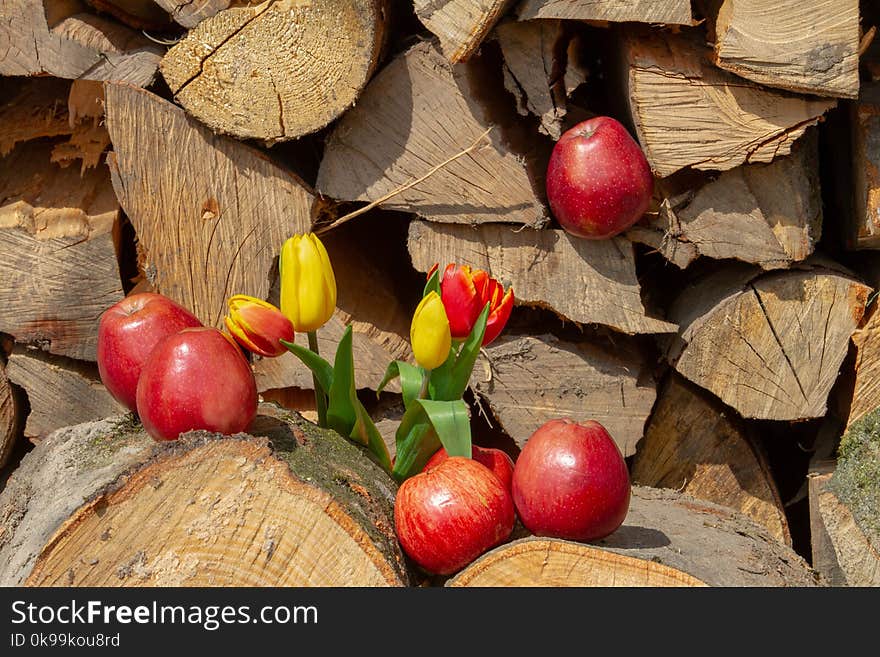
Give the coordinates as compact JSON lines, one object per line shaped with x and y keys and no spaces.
{"x":307,"y":509}
{"x":277,"y":70}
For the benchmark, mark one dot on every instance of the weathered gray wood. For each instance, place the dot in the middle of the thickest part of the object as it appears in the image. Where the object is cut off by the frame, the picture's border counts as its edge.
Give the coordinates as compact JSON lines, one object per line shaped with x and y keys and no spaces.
{"x":675,"y":12}
{"x":460,"y":25}
{"x":529,"y":380}
{"x":58,"y":259}
{"x":862,"y":230}
{"x":769,"y":346}
{"x":824,"y":558}
{"x":667,"y":539}
{"x":210,"y":213}
{"x":535,"y":67}
{"x":190,"y":13}
{"x":586,"y":281}
{"x":766,"y":214}
{"x":275,"y":71}
{"x":61,"y":391}
{"x":696,"y":445}
{"x":809,"y":47}
{"x":50,"y":37}
{"x":11,"y":416}
{"x":688,"y":113}
{"x":418,"y":112}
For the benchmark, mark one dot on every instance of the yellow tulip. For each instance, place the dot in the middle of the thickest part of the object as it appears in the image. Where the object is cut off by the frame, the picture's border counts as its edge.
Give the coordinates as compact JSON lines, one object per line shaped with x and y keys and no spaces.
{"x":430,"y":335}
{"x":308,"y":287}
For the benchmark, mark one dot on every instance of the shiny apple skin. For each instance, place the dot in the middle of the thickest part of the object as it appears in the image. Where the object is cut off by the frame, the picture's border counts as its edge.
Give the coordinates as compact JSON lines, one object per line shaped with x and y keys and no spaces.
{"x":448,"y":516}
{"x":570,"y":481}
{"x":196,"y":379}
{"x":496,"y":460}
{"x":598,"y":180}
{"x":127,"y":333}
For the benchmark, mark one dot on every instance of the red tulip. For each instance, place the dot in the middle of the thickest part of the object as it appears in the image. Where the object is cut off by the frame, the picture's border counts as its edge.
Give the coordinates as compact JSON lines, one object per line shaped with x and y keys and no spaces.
{"x":465,"y":292}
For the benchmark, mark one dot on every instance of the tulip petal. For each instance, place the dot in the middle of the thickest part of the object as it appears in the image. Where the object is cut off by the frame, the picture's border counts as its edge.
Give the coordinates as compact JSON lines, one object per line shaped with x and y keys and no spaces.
{"x":308,"y":285}
{"x":429,"y":333}
{"x":498,"y":317}
{"x":461,"y":299}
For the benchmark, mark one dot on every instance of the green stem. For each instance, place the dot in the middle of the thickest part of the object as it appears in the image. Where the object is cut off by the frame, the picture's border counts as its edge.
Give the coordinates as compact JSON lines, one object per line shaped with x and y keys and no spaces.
{"x":423,"y":391}
{"x":320,"y":394}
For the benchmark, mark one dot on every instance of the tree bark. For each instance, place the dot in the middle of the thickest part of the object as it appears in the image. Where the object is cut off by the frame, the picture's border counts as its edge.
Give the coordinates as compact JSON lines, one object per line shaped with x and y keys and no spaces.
{"x":600,"y":287}
{"x":863,"y":228}
{"x":667,"y":539}
{"x":189,"y":13}
{"x":210,"y":213}
{"x":277,"y":70}
{"x":460,"y":25}
{"x":528,"y":381}
{"x":11,"y":416}
{"x":811,"y":48}
{"x":687,"y":113}
{"x":696,"y":445}
{"x":418,"y":112}
{"x":290,"y":505}
{"x":769,"y":346}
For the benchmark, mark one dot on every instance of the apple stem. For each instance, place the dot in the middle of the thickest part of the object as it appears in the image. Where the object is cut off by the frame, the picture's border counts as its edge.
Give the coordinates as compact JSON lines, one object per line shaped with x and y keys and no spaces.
{"x":320,"y":398}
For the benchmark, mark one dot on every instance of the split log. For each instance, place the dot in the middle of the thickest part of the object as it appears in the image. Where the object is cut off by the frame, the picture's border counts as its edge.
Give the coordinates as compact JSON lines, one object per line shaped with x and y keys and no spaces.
{"x":210,"y":213}
{"x":688,"y":113}
{"x":766,"y":214}
{"x":275,"y":71}
{"x":58,"y":253}
{"x":528,"y":381}
{"x":667,"y":539}
{"x":50,"y":37}
{"x":848,"y":504}
{"x":824,"y":558}
{"x":673,"y":12}
{"x":535,"y":66}
{"x":769,"y":346}
{"x":50,"y":107}
{"x":866,"y":390}
{"x":810,"y":47}
{"x":139,"y":14}
{"x":189,"y":13}
{"x":694,"y":444}
{"x":61,"y":391}
{"x":11,"y":416}
{"x":600,"y":287}
{"x":863,"y":230}
{"x":418,"y":112}
{"x":366,"y":299}
{"x":290,"y":505}
{"x":55,"y":478}
{"x":460,"y":25}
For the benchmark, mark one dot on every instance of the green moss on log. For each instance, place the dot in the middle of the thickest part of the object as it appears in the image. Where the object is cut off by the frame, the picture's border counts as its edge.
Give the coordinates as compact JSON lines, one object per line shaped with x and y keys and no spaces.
{"x":856,"y":481}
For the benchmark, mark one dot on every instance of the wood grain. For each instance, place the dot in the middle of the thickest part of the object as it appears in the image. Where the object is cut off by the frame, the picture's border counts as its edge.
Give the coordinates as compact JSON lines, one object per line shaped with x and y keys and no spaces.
{"x":190,"y":13}
{"x":688,"y":113}
{"x":460,"y":25}
{"x":416,"y":113}
{"x":58,"y":258}
{"x":675,"y":12}
{"x":806,"y":47}
{"x":275,"y":71}
{"x":529,"y":380}
{"x":600,"y":287}
{"x":210,"y":213}
{"x":770,"y":346}
{"x":667,"y":539}
{"x":698,"y":446}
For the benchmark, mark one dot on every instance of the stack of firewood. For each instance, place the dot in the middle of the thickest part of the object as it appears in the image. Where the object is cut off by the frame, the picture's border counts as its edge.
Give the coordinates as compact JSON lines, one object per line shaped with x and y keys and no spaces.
{"x":173,"y":146}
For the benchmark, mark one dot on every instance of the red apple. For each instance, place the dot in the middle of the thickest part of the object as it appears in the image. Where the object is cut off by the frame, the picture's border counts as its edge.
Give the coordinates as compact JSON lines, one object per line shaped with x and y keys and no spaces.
{"x":598,"y":180}
{"x":196,"y":379}
{"x":448,"y":516}
{"x":127,"y":333}
{"x":494,"y":459}
{"x":570,"y":481}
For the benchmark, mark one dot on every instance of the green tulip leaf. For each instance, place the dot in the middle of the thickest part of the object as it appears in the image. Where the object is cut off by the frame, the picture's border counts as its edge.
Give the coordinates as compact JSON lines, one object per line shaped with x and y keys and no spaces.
{"x":426,"y":426}
{"x":366,"y":433}
{"x":433,"y":284}
{"x":450,"y":382}
{"x":322,"y":370}
{"x":341,"y":414}
{"x":411,"y":378}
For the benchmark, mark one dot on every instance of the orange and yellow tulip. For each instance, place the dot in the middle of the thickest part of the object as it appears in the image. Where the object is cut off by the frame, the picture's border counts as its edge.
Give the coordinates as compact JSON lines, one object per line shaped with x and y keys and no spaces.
{"x":257,"y":325}
{"x":465,"y":292}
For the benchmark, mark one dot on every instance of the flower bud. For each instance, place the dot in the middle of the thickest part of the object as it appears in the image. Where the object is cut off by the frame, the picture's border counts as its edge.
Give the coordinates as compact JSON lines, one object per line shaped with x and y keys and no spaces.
{"x":257,"y":325}
{"x":429,"y":333}
{"x":308,"y":287}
